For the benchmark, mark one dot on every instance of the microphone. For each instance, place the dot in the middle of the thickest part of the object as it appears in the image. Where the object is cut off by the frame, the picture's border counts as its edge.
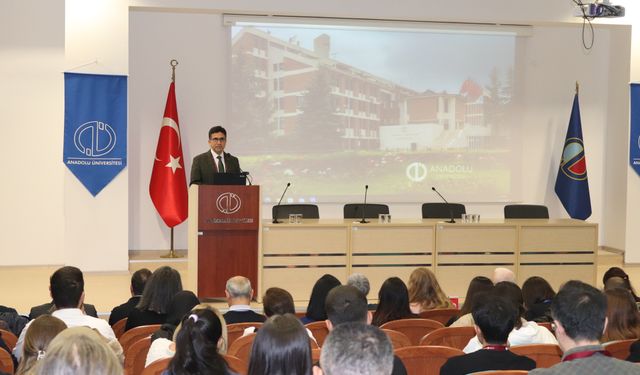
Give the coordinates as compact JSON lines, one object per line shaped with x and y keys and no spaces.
{"x":247,"y":176}
{"x":275,"y":215}
{"x":364,"y":206}
{"x":448,"y":204}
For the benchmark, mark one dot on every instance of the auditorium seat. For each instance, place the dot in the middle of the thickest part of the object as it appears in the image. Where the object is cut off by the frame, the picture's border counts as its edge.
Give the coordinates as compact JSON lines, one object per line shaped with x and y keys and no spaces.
{"x":525,"y":211}
{"x":545,"y":355}
{"x":9,"y":338}
{"x":241,"y":347}
{"x":315,"y":355}
{"x":134,"y":334}
{"x":119,"y":326}
{"x":319,"y":330}
{"x":453,"y":337}
{"x":425,"y":359}
{"x":440,"y":315}
{"x":442,"y":210}
{"x":236,"y":365}
{"x":619,"y":349}
{"x":235,"y":330}
{"x":6,"y":363}
{"x":136,"y":355}
{"x":398,"y":339}
{"x":354,"y":210}
{"x":308,"y":211}
{"x":414,"y":329}
{"x":156,"y":367}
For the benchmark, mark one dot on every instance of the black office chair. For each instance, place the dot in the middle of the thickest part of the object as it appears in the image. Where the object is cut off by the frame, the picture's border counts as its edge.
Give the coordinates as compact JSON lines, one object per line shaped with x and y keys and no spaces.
{"x":308,"y":211}
{"x":525,"y":211}
{"x":442,"y":210}
{"x":372,"y":210}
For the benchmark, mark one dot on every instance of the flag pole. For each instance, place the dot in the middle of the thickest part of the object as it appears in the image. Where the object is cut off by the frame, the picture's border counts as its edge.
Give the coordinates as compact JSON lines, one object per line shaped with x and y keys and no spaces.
{"x":577,"y":87}
{"x":172,"y":252}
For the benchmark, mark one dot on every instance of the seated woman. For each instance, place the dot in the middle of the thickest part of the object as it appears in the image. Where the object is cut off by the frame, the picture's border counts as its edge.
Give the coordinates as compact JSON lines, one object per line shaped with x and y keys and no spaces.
{"x":393,"y":302}
{"x":163,"y":284}
{"x":477,"y":285}
{"x":281,"y":347}
{"x":615,"y":277}
{"x":315,"y":308}
{"x":524,"y":332}
{"x":36,"y":342}
{"x":425,"y":292}
{"x":622,"y":316}
{"x":181,"y":304}
{"x":197,"y":346}
{"x":537,"y":295}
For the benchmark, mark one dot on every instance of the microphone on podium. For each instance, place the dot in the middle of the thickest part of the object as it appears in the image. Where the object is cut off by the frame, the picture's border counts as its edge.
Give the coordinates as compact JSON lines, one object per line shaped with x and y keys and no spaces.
{"x":448,"y":204}
{"x":275,"y":214}
{"x":364,"y":206}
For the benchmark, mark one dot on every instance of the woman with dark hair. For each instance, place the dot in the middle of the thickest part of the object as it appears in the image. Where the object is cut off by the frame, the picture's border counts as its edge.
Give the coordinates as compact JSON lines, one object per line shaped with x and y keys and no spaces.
{"x":477,"y":285}
{"x":181,"y":304}
{"x":163,"y":284}
{"x":537,"y":294}
{"x":281,"y":347}
{"x":425,"y":292}
{"x":393,"y":302}
{"x":315,"y":308}
{"x":197,"y":345}
{"x":617,"y":272}
{"x":524,"y":332}
{"x":622,"y":315}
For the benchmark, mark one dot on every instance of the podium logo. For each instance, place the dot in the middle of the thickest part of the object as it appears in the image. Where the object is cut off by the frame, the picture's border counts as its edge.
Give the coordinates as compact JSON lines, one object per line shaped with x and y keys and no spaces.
{"x":228,"y":203}
{"x":94,"y":138}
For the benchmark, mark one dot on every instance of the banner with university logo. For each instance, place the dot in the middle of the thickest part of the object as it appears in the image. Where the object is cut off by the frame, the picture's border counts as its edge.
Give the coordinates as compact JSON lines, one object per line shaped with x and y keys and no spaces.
{"x":634,"y":143}
{"x":95,"y":128}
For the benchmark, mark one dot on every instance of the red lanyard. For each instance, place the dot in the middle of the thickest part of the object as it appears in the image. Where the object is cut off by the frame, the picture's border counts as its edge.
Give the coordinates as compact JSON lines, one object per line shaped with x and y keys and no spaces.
{"x":585,"y":354}
{"x":499,"y":348}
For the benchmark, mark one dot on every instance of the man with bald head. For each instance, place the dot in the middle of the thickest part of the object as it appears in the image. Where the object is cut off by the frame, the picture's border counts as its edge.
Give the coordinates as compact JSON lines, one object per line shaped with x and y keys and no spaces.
{"x":239,"y":294}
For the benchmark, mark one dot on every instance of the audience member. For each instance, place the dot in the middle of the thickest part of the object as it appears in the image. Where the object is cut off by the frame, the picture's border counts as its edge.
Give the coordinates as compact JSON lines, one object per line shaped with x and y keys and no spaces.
{"x":138,"y":281}
{"x":163,"y":284}
{"x":477,"y":285}
{"x":197,"y":346}
{"x":239,"y":294}
{"x":425,"y":292}
{"x":537,"y":295}
{"x":277,"y":301}
{"x":346,"y":304}
{"x":11,"y":321}
{"x":579,"y":315}
{"x":281,"y":347}
{"x":623,"y":318}
{"x":181,"y":304}
{"x":503,"y":274}
{"x":43,"y":329}
{"x":67,"y":290}
{"x":79,"y":350}
{"x":524,"y":332}
{"x":373,"y":354}
{"x":494,"y":319}
{"x":361,"y":282}
{"x":393,"y":302}
{"x":49,"y":307}
{"x":315,"y":308}
{"x":619,"y":272}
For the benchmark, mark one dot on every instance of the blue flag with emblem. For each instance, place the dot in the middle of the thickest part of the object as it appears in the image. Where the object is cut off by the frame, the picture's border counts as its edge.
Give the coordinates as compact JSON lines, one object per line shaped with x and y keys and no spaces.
{"x":572,"y":186}
{"x":634,"y":145}
{"x":95,"y":128}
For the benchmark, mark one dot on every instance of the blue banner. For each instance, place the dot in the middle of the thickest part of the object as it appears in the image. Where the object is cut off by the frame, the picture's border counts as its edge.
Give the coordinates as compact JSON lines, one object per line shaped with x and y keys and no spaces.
{"x":95,"y":128}
{"x":572,"y":185}
{"x":634,"y":144}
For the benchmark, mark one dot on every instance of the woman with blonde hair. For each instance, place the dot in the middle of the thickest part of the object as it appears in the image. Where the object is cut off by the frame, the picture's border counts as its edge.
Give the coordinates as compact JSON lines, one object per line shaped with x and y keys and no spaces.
{"x":425,"y":292}
{"x":36,"y":341}
{"x":79,"y":350}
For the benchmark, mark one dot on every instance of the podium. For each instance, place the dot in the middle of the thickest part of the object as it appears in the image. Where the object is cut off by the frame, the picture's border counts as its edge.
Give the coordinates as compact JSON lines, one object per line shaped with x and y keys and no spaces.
{"x":224,"y":225}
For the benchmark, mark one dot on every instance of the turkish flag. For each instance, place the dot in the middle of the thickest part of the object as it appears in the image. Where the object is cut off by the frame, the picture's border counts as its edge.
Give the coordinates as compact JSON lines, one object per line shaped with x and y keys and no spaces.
{"x":168,"y":186}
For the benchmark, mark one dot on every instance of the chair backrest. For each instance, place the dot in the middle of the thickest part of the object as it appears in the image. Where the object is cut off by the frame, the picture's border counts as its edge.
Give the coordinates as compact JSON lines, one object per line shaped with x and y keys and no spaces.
{"x":440,"y":315}
{"x":308,"y":211}
{"x":235,"y":330}
{"x":118,"y":327}
{"x":241,"y":348}
{"x":9,"y":338}
{"x":236,"y":365}
{"x":156,"y":367}
{"x":425,"y":359}
{"x":319,"y":330}
{"x":6,"y":363}
{"x":136,"y":355}
{"x":441,"y":210}
{"x":525,"y":211}
{"x":619,"y":349}
{"x":371,"y":211}
{"x":453,"y":337}
{"x":398,"y":339}
{"x":414,"y":329}
{"x":545,"y":355}
{"x":315,"y":355}
{"x":134,"y":334}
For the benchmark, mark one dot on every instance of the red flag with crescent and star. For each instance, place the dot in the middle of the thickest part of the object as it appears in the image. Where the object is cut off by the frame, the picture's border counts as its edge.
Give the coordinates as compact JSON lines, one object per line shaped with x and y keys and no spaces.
{"x":168,"y":186}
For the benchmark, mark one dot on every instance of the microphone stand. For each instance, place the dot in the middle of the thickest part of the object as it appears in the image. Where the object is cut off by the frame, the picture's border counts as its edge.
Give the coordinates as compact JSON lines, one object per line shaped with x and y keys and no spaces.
{"x":448,"y":205}
{"x":364,"y":206}
{"x":275,"y":217}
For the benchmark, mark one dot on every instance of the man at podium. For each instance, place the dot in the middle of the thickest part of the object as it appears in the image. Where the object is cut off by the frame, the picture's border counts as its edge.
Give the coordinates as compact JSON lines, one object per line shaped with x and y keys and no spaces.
{"x":206,"y":165}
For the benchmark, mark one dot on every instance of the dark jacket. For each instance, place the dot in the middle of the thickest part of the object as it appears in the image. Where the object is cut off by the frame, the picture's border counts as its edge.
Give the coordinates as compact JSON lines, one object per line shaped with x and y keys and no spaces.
{"x":204,"y":168}
{"x":122,"y":311}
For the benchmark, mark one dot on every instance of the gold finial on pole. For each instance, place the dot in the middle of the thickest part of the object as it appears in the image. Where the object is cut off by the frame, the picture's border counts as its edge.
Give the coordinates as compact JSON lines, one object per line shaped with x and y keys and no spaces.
{"x":577,"y":87}
{"x":173,"y":64}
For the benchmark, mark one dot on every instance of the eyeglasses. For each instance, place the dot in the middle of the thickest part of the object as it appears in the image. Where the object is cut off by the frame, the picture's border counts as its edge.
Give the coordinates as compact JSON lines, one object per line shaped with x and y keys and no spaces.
{"x":218,"y":139}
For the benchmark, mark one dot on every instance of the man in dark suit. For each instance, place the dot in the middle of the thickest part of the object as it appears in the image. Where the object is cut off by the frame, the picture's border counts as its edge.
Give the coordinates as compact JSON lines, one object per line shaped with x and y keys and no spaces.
{"x":138,"y":281}
{"x":207,"y":164}
{"x":494,"y":319}
{"x":48,"y":308}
